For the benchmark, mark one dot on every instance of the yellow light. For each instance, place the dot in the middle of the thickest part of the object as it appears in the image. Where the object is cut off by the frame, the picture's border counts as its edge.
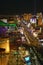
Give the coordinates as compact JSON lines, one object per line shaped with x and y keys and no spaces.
{"x":34,"y":34}
{"x":7,"y":46}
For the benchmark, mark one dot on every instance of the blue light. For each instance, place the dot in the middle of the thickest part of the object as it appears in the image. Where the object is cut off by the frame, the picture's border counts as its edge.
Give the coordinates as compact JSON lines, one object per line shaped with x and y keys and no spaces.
{"x":27,"y":58}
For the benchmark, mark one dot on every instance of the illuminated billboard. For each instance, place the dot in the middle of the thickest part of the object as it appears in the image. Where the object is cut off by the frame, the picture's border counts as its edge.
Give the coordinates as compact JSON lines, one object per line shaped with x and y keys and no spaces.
{"x":33,"y":20}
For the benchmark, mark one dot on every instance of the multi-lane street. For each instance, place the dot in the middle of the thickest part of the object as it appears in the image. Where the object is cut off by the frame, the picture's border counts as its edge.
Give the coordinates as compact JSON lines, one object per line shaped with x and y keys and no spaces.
{"x":23,"y":45}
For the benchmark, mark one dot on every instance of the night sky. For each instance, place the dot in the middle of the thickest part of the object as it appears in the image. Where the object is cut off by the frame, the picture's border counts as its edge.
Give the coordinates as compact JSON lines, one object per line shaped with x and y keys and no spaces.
{"x":20,"y":6}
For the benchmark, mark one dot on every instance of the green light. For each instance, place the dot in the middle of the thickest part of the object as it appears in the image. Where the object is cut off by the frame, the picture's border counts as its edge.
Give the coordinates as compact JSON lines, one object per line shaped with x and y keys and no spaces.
{"x":3,"y":23}
{"x":6,"y":24}
{"x":12,"y":25}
